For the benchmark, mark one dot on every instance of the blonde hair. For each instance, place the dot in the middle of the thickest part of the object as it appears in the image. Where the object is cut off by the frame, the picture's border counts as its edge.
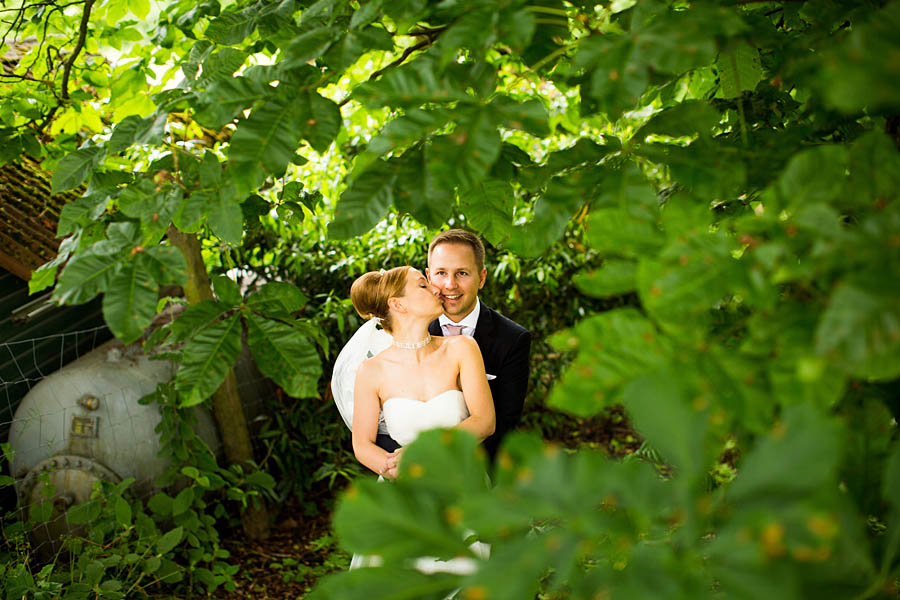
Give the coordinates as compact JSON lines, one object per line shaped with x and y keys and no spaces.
{"x":460,"y":236}
{"x":370,"y":293}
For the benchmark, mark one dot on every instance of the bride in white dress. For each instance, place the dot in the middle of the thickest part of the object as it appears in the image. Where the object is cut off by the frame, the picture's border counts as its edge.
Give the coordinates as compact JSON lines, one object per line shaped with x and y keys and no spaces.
{"x":419,"y":382}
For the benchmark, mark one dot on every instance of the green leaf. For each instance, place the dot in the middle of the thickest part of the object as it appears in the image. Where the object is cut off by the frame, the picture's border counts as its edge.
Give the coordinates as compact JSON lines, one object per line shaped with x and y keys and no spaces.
{"x":161,"y":504}
{"x":530,"y":116}
{"x":80,"y":212}
{"x":462,"y":158}
{"x":799,"y":457}
{"x":284,"y":355}
{"x":277,"y":298}
{"x":261,"y":479}
{"x":208,"y":357}
{"x":183,"y":501}
{"x":231,"y":27}
{"x":815,"y":175}
{"x":407,"y":129}
{"x":226,"y":98}
{"x":739,"y":69}
{"x":614,"y":278}
{"x":416,"y":191}
{"x":687,"y":118}
{"x":227,"y":290}
{"x":123,"y":512}
{"x":310,"y":45}
{"x":410,"y":85}
{"x":85,"y":276}
{"x":613,"y":348}
{"x":563,"y":198}
{"x":860,"y":332}
{"x":74,"y":168}
{"x":489,"y":208}
{"x":660,"y":405}
{"x":166,"y":264}
{"x":324,"y":122}
{"x":269,"y":137}
{"x":365,"y":202}
{"x":129,"y":302}
{"x":225,"y":218}
{"x":197,"y":317}
{"x":859,"y":73}
{"x":169,"y":540}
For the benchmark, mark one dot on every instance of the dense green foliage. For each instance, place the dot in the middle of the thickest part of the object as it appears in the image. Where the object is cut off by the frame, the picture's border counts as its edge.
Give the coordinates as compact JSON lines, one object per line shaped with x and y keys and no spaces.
{"x":729,"y":167}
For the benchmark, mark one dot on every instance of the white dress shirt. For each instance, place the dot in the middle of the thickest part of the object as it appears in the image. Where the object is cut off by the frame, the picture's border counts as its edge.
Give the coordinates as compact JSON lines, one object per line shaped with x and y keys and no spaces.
{"x":468,"y":322}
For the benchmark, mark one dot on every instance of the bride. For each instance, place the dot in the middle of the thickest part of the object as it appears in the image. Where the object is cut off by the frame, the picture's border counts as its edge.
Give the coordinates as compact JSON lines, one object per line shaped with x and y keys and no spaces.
{"x":419,"y":382}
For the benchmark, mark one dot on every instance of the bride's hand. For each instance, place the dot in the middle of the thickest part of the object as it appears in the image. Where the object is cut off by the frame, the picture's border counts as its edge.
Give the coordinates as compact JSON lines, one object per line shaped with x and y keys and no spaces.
{"x":391,"y":462}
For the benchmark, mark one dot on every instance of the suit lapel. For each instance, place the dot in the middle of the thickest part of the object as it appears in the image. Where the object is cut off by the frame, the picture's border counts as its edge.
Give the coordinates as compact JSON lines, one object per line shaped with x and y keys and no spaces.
{"x":434,"y":328}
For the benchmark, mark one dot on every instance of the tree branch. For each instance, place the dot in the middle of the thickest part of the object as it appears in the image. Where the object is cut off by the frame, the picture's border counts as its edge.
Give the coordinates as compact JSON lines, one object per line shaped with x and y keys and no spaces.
{"x":399,"y":61}
{"x":70,"y":62}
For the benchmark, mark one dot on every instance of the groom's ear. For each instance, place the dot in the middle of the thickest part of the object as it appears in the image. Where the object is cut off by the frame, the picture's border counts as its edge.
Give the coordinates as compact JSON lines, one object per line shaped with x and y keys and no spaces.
{"x":483,"y":277}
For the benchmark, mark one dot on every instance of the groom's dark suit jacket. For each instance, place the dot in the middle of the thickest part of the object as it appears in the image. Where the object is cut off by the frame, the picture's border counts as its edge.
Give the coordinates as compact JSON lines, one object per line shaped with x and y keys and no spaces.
{"x":505,"y":347}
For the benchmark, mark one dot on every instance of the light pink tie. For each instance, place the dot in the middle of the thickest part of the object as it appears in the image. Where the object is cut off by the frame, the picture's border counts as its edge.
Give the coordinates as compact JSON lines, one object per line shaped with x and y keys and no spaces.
{"x":453,"y":329}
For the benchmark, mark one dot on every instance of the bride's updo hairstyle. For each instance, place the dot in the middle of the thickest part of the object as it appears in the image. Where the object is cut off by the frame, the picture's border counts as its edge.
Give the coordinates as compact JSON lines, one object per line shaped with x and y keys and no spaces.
{"x":370,"y":293}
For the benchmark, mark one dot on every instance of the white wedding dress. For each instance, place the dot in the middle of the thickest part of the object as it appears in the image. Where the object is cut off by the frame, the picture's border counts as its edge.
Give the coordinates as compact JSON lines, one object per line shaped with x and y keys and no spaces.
{"x":405,"y":419}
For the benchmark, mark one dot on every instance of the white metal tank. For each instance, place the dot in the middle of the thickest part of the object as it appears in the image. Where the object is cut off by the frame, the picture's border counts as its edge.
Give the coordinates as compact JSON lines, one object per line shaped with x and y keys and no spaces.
{"x":83,"y":423}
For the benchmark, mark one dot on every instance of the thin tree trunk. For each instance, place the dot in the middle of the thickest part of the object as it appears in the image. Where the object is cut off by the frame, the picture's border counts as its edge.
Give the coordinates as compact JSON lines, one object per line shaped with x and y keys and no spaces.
{"x":226,"y":401}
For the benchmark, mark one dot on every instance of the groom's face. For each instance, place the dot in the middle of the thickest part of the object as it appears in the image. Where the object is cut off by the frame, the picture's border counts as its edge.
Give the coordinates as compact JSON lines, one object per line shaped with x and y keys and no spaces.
{"x":452,"y":269}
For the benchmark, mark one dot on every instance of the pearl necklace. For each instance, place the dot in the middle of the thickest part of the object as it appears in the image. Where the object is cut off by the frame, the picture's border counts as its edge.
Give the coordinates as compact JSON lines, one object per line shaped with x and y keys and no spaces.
{"x":412,"y":345}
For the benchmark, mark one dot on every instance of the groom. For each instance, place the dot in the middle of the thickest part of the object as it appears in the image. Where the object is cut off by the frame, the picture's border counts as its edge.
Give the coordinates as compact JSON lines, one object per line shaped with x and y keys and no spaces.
{"x":456,"y":268}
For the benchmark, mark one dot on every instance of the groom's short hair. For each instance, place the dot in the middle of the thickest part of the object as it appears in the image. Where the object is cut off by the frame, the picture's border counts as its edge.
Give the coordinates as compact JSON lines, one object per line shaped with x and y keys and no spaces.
{"x":460,"y":236}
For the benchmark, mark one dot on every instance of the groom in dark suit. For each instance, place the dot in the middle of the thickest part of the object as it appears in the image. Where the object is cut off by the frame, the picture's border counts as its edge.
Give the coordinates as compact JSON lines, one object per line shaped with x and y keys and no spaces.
{"x":456,"y":268}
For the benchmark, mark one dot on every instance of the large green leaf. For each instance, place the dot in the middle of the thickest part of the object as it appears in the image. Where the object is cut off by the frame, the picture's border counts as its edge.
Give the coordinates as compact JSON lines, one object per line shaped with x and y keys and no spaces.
{"x":489,"y":208}
{"x":860,"y":332}
{"x":385,"y":584}
{"x":129,"y":302}
{"x":323,"y":123}
{"x":208,"y":357}
{"x":462,"y":158}
{"x":196,"y":318}
{"x":232,"y":27}
{"x":665,"y":413}
{"x":226,"y":98}
{"x":81,"y":211}
{"x":553,"y":210}
{"x":530,"y":116}
{"x":408,"y":128}
{"x":166,"y":264}
{"x":268,"y":139}
{"x":416,"y":192}
{"x":815,"y":175}
{"x":85,"y":276}
{"x":613,"y":278}
{"x":739,"y":69}
{"x":276,"y":299}
{"x":859,"y":73}
{"x":410,"y":85}
{"x":74,"y":168}
{"x":365,"y":202}
{"x":613,"y":348}
{"x":225,"y":217}
{"x":284,"y":355}
{"x":799,"y":457}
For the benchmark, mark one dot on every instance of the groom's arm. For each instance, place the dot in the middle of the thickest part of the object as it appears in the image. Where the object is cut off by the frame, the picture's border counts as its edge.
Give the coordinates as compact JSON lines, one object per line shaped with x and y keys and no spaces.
{"x":509,"y":389}
{"x":386,"y":442}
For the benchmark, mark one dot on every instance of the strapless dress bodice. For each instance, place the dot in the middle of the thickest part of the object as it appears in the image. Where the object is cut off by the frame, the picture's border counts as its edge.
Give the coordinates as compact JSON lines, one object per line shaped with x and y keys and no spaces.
{"x":406,"y":418}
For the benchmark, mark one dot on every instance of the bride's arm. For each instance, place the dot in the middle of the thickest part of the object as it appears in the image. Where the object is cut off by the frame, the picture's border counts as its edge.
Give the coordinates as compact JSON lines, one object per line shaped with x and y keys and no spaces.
{"x":366,"y":410}
{"x":472,"y":379}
